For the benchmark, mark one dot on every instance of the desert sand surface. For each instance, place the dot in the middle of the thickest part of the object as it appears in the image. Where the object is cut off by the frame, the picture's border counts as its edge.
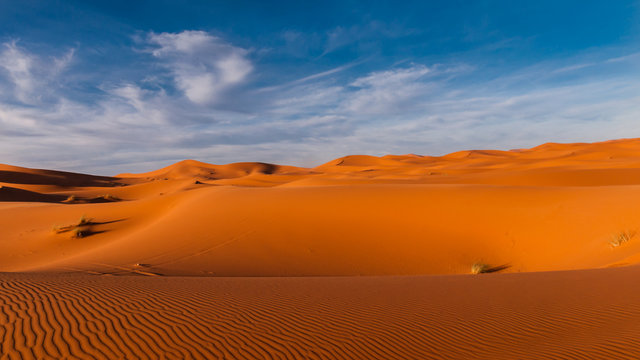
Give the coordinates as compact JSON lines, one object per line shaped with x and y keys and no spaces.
{"x":361,"y":257}
{"x":546,"y":315}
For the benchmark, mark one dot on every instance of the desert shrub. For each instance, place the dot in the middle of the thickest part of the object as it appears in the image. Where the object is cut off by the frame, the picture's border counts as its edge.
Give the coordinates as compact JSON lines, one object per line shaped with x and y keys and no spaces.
{"x":482,"y":268}
{"x":79,"y":230}
{"x":84,"y":221}
{"x":622,"y":238}
{"x":479,"y":268}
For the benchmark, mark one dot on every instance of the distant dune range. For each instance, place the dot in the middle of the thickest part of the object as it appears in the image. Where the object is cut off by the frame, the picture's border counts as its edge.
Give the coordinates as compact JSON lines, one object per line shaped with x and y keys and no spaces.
{"x":254,"y":260}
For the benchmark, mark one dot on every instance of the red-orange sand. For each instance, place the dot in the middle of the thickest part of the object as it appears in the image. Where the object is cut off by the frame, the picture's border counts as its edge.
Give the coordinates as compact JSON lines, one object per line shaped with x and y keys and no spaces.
{"x":362,"y":257}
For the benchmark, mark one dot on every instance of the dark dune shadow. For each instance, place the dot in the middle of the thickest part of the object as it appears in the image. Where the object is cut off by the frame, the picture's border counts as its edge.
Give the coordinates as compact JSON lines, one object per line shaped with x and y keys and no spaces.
{"x":10,"y":194}
{"x":496,"y":268}
{"x":58,"y":178}
{"x":103,"y":199}
{"x":91,"y":222}
{"x":92,"y":232}
{"x":84,"y":228}
{"x":267,"y":169}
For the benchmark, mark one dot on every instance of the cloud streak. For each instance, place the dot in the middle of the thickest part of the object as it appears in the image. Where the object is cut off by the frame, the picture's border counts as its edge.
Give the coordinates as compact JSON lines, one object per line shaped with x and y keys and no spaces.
{"x":30,"y":79}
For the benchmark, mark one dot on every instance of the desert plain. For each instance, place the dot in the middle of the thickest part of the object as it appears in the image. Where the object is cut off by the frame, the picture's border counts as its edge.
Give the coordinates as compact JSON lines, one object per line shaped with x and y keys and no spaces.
{"x":482,"y":254}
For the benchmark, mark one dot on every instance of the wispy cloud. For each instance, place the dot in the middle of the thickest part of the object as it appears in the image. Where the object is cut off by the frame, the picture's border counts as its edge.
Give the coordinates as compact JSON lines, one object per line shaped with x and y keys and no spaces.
{"x":387,"y":92}
{"x":572,"y":68}
{"x":18,"y":67}
{"x":31,"y":79}
{"x":342,"y":36}
{"x":308,"y":78}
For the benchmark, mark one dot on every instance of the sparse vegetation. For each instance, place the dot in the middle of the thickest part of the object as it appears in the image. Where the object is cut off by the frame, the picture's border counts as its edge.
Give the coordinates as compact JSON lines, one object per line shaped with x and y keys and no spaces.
{"x":482,"y":268}
{"x":109,"y":197}
{"x":79,"y":230}
{"x":479,"y":268}
{"x":73,"y":199}
{"x":84,"y":221}
{"x":622,"y":238}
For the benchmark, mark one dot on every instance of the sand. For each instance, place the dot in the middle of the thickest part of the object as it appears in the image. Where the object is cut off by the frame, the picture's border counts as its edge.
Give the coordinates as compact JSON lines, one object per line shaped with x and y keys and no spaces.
{"x":361,"y":257}
{"x":546,"y":315}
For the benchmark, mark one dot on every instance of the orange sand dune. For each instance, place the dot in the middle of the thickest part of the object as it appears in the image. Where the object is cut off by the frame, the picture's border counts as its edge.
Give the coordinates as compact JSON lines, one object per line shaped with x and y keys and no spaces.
{"x":236,"y":261}
{"x":553,"y":207}
{"x":590,"y":314}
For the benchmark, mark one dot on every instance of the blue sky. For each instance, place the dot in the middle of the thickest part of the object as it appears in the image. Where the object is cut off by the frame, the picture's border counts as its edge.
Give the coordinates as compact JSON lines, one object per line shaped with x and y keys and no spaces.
{"x":119,"y":86}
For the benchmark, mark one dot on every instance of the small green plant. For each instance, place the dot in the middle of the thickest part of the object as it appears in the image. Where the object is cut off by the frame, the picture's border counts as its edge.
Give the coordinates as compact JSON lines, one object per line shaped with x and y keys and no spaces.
{"x":622,"y":238}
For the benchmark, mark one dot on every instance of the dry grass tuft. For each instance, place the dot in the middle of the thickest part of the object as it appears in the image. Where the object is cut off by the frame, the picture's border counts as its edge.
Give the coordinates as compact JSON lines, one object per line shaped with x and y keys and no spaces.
{"x":79,"y":230}
{"x":110,"y":197}
{"x":482,"y":268}
{"x":84,"y":221}
{"x":479,"y":268}
{"x":622,"y":238}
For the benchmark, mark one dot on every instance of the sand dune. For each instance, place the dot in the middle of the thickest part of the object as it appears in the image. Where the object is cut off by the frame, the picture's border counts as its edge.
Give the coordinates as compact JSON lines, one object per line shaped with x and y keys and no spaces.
{"x":502,"y":316}
{"x":553,"y":207}
{"x":550,"y":208}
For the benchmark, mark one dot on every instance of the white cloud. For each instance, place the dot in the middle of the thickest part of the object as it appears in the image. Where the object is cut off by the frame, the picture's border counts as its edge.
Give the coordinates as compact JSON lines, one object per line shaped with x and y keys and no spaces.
{"x":203,"y":66}
{"x":132,"y":94}
{"x":593,"y":111}
{"x":387,"y":92}
{"x":61,"y":63}
{"x":17,"y":120}
{"x":33,"y":78}
{"x":18,"y":66}
{"x":394,"y":77}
